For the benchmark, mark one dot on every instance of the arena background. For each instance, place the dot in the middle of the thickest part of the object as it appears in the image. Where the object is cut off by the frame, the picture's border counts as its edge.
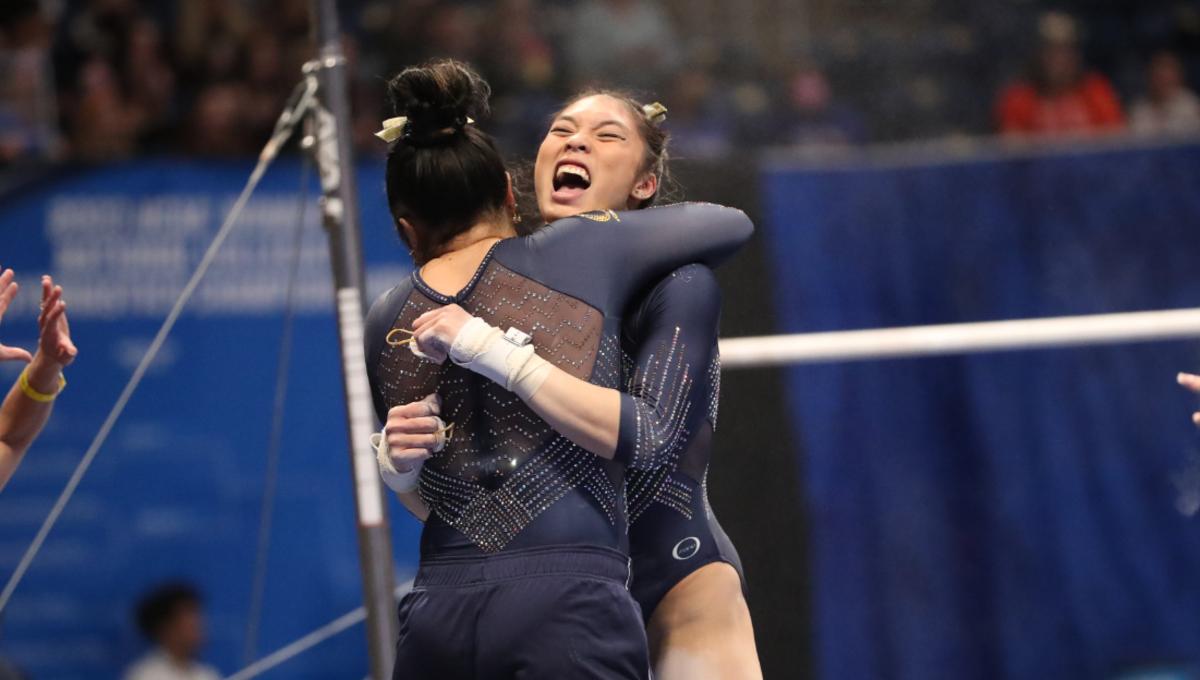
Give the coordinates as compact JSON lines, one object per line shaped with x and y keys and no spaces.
{"x":1014,"y":515}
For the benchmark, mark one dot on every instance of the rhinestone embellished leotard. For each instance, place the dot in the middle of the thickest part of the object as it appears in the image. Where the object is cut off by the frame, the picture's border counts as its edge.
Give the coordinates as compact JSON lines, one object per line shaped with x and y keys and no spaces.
{"x":674,"y":377}
{"x":505,"y":479}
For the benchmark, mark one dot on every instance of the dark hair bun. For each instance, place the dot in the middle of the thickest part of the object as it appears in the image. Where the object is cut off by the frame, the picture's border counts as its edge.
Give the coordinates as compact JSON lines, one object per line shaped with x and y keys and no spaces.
{"x":438,"y":97}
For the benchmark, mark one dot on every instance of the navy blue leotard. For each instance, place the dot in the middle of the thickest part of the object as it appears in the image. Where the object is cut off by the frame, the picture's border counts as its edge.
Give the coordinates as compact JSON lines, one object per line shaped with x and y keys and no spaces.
{"x":675,"y":377}
{"x":518,"y":513}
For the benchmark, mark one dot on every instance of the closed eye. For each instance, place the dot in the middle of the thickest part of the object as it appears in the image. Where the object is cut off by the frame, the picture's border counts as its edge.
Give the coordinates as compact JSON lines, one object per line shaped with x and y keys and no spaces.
{"x":559,"y":130}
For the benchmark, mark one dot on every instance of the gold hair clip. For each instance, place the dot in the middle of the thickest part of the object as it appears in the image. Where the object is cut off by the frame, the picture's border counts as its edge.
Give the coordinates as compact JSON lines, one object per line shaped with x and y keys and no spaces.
{"x":656,"y":113}
{"x":396,"y":343}
{"x":394,"y":128}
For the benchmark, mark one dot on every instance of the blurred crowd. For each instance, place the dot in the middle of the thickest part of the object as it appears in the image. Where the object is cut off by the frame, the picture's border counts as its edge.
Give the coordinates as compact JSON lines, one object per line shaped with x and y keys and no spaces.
{"x":99,"y":80}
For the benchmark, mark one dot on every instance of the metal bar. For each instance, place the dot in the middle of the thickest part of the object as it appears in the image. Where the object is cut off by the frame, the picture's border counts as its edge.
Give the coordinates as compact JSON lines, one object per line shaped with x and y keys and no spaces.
{"x":965,"y":338}
{"x":339,"y":205}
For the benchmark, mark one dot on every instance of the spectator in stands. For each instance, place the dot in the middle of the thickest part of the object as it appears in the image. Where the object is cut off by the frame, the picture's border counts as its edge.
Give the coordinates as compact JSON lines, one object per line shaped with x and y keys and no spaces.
{"x":104,"y":124}
{"x":451,"y":30}
{"x":98,"y":29}
{"x":27,"y":127}
{"x":208,"y":37}
{"x":519,"y":56}
{"x":150,"y":81}
{"x":29,"y":402}
{"x":23,"y":133}
{"x":520,"y":64}
{"x":217,"y":126}
{"x":811,"y":115}
{"x":622,"y":43}
{"x":1168,"y":107}
{"x":266,"y":84}
{"x":700,"y":120}
{"x":170,"y":617}
{"x":1059,"y":97}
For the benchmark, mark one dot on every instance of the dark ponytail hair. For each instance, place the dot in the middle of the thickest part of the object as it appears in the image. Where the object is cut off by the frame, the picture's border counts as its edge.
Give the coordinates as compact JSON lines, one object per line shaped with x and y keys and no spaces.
{"x":443,"y":174}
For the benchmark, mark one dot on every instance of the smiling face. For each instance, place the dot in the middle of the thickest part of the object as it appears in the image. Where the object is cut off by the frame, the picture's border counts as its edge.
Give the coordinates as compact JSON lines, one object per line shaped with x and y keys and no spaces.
{"x":593,"y":158}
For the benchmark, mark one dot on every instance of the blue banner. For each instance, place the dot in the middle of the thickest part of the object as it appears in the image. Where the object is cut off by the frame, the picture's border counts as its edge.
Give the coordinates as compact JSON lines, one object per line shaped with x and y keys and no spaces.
{"x":176,"y":492}
{"x":1023,"y":515}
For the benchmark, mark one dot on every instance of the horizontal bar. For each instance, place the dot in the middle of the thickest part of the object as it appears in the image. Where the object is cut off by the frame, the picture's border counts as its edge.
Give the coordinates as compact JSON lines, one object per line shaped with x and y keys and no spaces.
{"x":963,"y":338}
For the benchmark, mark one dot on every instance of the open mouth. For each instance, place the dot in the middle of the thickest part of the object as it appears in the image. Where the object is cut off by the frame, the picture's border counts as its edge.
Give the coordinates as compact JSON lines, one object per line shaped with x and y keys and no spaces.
{"x":571,"y":180}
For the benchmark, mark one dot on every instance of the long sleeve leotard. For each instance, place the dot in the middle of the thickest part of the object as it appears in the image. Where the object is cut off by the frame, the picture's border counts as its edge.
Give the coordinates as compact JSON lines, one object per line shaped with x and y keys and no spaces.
{"x":505,"y":479}
{"x":669,"y":415}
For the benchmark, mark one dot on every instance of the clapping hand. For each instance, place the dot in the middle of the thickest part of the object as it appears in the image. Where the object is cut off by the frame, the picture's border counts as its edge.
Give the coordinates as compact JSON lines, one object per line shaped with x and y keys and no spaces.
{"x":8,"y":291}
{"x":54,"y":341}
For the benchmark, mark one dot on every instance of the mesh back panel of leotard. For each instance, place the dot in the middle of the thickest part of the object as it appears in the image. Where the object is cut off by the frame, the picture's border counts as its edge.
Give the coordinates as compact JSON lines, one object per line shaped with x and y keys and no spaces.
{"x":503,"y":464}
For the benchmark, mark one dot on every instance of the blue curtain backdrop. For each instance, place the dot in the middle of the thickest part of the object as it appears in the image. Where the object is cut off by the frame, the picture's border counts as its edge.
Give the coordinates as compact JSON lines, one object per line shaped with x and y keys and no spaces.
{"x":1020,"y":515}
{"x":176,"y":492}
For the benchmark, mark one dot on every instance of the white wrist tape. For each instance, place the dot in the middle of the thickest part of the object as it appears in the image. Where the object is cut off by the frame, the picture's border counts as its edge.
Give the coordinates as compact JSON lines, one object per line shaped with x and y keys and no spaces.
{"x":508,"y":359}
{"x":400,"y":482}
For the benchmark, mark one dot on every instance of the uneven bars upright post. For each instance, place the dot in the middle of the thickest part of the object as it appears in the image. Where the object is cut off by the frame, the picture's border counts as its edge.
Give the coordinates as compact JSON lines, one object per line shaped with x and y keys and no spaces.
{"x":339,"y":207}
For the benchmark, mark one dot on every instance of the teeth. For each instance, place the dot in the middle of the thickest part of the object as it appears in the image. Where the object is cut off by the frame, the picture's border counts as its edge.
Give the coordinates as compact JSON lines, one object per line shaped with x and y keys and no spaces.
{"x":574,"y":170}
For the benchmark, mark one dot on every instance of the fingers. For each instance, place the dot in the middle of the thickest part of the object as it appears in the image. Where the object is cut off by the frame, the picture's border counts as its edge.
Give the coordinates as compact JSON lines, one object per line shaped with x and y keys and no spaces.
{"x":51,"y":316}
{"x":434,"y":314}
{"x":1189,"y":380}
{"x":52,"y":324}
{"x":435,"y":403}
{"x":67,"y":351}
{"x":423,"y":425}
{"x":416,"y":409}
{"x":8,"y":289}
{"x":402,"y":442}
{"x":428,"y":338}
{"x":432,"y":343}
{"x":425,"y":317}
{"x":51,"y":295}
{"x":429,"y":318}
{"x":403,"y":461}
{"x":14,"y":354}
{"x":52,"y":302}
{"x":410,"y":456}
{"x":416,"y":425}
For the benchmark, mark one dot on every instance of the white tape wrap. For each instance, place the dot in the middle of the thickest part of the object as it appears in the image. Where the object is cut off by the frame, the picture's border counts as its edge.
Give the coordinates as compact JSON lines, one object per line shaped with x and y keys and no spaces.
{"x":400,"y":482}
{"x":486,"y":350}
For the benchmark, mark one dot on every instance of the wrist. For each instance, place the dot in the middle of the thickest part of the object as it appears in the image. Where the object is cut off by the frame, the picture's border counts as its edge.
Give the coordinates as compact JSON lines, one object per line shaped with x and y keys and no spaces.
{"x":44,"y":374}
{"x":508,"y":359}
{"x":400,"y":481}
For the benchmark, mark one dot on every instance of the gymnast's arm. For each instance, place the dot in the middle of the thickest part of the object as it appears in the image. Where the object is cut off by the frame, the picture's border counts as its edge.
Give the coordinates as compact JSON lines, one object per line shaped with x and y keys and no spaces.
{"x":379,"y":319}
{"x":678,"y":327}
{"x":607,"y":257}
{"x":27,"y":407}
{"x":674,"y":330}
{"x":22,"y":418}
{"x":602,"y":257}
{"x":409,"y":448}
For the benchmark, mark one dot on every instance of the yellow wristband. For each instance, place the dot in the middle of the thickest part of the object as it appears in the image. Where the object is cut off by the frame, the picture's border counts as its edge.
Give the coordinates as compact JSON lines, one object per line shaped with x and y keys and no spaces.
{"x":33,"y":394}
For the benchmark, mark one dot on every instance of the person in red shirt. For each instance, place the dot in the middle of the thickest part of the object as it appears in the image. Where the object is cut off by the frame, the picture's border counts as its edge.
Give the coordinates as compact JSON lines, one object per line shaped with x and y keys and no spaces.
{"x":1059,"y":97}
